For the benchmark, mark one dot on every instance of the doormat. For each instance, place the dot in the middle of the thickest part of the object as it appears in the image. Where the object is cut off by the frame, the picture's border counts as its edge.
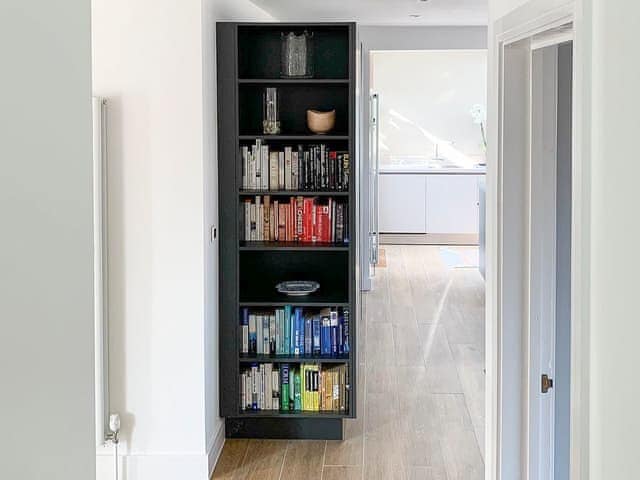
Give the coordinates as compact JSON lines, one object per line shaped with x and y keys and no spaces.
{"x":382,"y":258}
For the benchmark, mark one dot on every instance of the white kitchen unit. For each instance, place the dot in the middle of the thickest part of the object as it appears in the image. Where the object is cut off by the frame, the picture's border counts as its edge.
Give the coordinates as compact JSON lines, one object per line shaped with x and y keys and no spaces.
{"x":429,"y":206}
{"x":452,"y":204}
{"x":402,"y":203}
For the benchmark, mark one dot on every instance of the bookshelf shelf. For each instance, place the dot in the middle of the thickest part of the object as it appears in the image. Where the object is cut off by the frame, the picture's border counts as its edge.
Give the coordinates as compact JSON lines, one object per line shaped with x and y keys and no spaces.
{"x":295,"y":138}
{"x":293,"y":246}
{"x":291,"y":414}
{"x":293,"y":359}
{"x":293,"y":193}
{"x":293,"y":81}
{"x":248,"y":61}
{"x":293,"y":304}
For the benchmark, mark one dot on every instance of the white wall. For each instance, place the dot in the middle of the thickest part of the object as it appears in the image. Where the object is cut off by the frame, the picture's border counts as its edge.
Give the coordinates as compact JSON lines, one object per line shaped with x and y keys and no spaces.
{"x":46,"y":245}
{"x":215,"y":11}
{"x":615,"y":232}
{"x":425,"y":99}
{"x":607,"y":124}
{"x":153,"y":60}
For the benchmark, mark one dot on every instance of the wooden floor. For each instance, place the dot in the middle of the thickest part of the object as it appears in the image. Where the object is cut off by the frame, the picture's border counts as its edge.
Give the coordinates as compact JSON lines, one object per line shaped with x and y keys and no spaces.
{"x":421,"y":383}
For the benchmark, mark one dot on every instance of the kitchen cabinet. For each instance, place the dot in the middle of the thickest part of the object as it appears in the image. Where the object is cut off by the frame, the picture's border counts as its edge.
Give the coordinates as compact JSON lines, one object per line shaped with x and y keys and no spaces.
{"x":429,"y":203}
{"x":402,"y":204}
{"x":452,"y":204}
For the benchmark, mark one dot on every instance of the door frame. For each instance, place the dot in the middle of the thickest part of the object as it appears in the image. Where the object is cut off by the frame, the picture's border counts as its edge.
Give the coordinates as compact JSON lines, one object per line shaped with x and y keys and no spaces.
{"x":507,"y":407}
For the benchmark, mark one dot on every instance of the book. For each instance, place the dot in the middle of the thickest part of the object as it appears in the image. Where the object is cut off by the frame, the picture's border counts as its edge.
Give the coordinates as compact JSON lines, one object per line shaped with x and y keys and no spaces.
{"x":245,"y":331}
{"x":284,"y":386}
{"x":314,"y":167}
{"x":297,"y":399}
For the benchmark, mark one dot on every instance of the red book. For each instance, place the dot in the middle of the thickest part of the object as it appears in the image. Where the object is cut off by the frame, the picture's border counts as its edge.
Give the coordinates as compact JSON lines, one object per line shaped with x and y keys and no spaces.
{"x":307,"y":217}
{"x":323,"y":224}
{"x":300,"y":212}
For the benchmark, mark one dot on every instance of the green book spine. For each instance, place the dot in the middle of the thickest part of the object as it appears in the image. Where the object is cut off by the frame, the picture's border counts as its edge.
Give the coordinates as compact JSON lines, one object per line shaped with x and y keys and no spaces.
{"x":284,"y":387}
{"x":297,"y":399}
{"x":287,"y":329}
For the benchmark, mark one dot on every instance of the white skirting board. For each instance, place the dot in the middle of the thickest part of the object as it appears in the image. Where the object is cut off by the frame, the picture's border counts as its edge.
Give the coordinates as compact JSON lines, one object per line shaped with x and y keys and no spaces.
{"x":429,"y":238}
{"x":161,"y":466}
{"x":214,"y":448}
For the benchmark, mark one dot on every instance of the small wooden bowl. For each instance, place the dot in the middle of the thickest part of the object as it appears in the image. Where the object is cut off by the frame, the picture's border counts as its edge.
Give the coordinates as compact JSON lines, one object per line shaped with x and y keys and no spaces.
{"x":321,"y":122}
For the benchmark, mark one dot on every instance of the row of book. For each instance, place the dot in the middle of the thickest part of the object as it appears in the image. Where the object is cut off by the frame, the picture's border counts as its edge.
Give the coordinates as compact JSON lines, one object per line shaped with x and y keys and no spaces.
{"x":316,"y":168}
{"x":295,"y":331}
{"x":300,"y":219}
{"x":284,"y":387}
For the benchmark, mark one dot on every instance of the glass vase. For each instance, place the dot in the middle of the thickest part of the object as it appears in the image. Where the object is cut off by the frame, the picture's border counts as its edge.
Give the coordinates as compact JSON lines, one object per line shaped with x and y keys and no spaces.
{"x":270,"y":112}
{"x":297,"y":55}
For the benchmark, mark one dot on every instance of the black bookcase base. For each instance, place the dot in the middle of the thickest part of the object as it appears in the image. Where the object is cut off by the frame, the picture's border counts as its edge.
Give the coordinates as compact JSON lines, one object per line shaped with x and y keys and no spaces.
{"x":284,"y":428}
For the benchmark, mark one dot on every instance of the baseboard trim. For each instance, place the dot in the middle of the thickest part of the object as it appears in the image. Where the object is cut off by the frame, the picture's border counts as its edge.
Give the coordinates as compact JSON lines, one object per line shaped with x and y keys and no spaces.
{"x":158,"y":466}
{"x":215,"y":449}
{"x":429,"y":239}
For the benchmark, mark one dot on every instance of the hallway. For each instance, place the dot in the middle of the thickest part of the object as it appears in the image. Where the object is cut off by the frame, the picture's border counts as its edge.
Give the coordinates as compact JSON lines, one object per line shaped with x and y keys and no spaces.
{"x":421,"y":390}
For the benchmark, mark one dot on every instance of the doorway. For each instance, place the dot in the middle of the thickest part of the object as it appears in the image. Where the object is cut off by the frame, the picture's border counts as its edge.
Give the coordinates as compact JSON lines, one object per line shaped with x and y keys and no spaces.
{"x":534,"y":243}
{"x":424,"y":339}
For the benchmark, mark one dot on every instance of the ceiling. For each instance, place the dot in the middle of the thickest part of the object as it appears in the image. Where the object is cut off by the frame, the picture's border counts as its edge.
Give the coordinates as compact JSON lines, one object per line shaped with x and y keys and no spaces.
{"x":380,"y":12}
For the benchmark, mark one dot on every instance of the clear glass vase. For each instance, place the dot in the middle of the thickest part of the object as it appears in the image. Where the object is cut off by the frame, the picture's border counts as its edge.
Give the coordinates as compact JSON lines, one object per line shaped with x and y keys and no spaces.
{"x":270,"y":112}
{"x":297,"y":55}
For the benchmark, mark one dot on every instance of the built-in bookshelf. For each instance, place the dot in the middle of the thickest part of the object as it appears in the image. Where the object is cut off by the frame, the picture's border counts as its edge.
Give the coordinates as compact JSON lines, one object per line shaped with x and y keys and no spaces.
{"x":287,"y":213}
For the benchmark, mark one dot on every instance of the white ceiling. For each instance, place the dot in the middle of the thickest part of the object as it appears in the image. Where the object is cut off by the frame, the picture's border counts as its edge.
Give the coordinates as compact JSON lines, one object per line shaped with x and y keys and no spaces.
{"x":380,"y":12}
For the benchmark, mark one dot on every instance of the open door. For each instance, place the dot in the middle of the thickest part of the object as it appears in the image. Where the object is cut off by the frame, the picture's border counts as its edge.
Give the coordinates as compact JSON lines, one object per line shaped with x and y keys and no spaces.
{"x":550,"y":260}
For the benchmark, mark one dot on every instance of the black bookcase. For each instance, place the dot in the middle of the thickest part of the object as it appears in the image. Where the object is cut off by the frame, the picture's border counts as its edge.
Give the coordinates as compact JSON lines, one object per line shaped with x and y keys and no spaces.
{"x":248,"y":60}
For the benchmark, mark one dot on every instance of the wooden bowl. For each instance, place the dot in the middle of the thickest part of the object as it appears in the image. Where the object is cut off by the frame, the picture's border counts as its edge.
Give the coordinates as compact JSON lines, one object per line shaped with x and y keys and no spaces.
{"x":321,"y":122}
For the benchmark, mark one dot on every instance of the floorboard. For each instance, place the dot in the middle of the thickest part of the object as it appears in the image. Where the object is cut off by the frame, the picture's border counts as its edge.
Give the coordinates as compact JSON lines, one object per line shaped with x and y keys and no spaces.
{"x":421,"y":384}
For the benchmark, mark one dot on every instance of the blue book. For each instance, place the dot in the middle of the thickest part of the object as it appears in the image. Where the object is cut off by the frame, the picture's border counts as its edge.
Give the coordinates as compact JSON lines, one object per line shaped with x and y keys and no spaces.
{"x":325,"y":334}
{"x":245,"y":330}
{"x":334,"y":332}
{"x":345,"y":330}
{"x":340,"y":334}
{"x":287,"y":330}
{"x":253,"y":335}
{"x":316,"y":335}
{"x":299,"y":333}
{"x":308,"y":335}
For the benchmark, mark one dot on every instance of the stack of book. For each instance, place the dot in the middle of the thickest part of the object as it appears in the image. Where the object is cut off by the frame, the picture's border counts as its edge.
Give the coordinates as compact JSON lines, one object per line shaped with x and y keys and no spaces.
{"x":300,"y":219}
{"x":295,"y":331}
{"x":309,"y":387}
{"x":316,"y":168}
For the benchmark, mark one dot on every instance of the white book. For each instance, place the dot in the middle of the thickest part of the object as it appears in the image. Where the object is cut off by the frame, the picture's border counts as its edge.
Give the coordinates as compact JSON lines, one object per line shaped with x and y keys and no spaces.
{"x":273,"y":171}
{"x":268,"y":393}
{"x":264,"y":158}
{"x":252,"y":168}
{"x":245,"y":338}
{"x":247,"y":221}
{"x":259,"y":342}
{"x":252,"y":222}
{"x":281,"y":170}
{"x":287,"y":168}
{"x":258,"y":219}
{"x":295,"y":169}
{"x":244,"y":152}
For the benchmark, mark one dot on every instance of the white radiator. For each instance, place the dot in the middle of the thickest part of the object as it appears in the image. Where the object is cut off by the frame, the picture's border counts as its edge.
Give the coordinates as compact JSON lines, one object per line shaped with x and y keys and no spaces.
{"x":101,"y":316}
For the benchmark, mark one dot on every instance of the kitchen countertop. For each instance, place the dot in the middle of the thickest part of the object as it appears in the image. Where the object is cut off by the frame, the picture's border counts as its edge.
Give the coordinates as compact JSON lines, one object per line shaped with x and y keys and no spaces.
{"x":432,"y":170}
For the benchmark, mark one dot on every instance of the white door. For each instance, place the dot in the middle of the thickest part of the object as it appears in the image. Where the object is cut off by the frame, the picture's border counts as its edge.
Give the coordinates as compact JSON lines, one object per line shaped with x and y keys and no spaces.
{"x":550,"y":262}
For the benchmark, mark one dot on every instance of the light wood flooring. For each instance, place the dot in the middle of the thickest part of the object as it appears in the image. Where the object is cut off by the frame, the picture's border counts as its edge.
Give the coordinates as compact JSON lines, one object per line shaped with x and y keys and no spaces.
{"x":421,"y":385}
